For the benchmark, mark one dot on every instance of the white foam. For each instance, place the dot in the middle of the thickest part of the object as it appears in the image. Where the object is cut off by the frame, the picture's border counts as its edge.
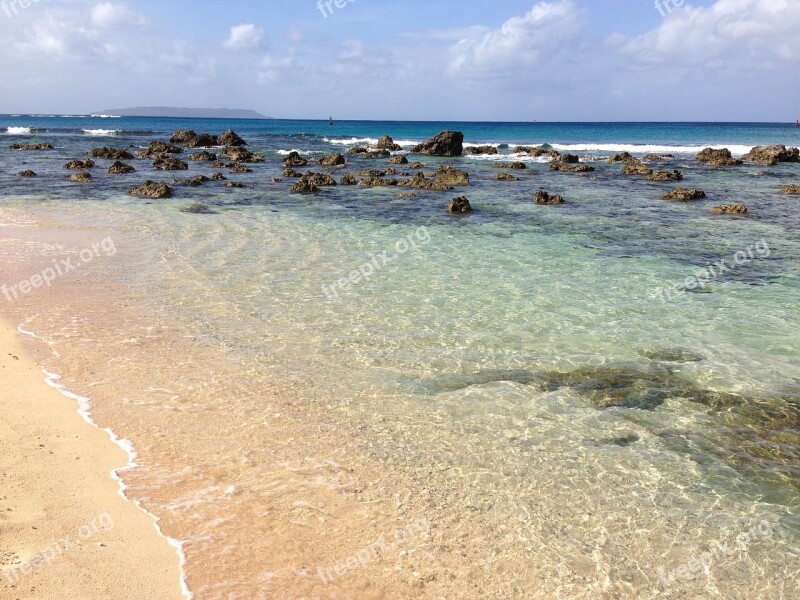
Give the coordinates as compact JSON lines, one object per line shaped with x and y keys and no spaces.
{"x":101,"y":131}
{"x":351,"y":141}
{"x":19,"y":130}
{"x":648,"y":148}
{"x":306,"y":152}
{"x":84,"y":410}
{"x":107,"y":116}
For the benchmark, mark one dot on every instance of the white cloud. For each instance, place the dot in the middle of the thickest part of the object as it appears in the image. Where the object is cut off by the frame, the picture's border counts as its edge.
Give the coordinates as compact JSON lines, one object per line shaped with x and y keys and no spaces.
{"x":730,"y":33}
{"x":111,"y":15}
{"x":539,"y":36}
{"x":246,"y":38}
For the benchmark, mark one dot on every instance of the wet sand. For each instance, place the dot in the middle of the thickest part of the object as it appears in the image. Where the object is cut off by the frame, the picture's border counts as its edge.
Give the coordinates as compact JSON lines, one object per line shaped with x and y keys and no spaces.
{"x":65,"y":529}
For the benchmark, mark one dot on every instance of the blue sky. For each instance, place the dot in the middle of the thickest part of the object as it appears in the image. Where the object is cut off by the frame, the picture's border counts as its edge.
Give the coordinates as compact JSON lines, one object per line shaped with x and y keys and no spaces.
{"x":560,"y":60}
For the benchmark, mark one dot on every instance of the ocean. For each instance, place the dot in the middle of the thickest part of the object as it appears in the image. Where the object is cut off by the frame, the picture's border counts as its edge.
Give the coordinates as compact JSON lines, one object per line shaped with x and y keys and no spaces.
{"x":354,"y":394}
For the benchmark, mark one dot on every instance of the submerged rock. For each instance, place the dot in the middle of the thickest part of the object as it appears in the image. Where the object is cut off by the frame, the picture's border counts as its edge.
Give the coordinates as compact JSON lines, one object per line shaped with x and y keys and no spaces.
{"x":446,"y":143}
{"x":791,"y":190}
{"x":510,"y":165}
{"x":419,"y":181}
{"x":152,"y":189}
{"x":82,"y":177}
{"x":27,"y":173}
{"x":233,"y":184}
{"x":570,"y":168}
{"x":718,"y":158}
{"x":730,"y":209}
{"x":197,"y":209}
{"x":636,"y":169}
{"x":79,"y":165}
{"x":31,"y":146}
{"x":447,"y":175}
{"x":683,"y":195}
{"x":772,"y":155}
{"x":111,"y":153}
{"x":673,"y":175}
{"x":543,"y":197}
{"x":459,"y":205}
{"x":120,"y":168}
{"x":506,"y":177}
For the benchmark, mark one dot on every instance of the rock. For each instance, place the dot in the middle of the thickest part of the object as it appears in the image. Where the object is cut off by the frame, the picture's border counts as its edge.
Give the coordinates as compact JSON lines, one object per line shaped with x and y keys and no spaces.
{"x":772,"y":155}
{"x":398,"y":160}
{"x":230,"y":138}
{"x":79,"y":165}
{"x":416,"y":165}
{"x":181,"y":136}
{"x":319,"y":179}
{"x":656,"y":157}
{"x":570,"y":168}
{"x":387,"y":143}
{"x":730,"y":209}
{"x":506,"y":177}
{"x":120,"y":168}
{"x":623,"y":157}
{"x":673,"y":175}
{"x":186,"y":182}
{"x":241,"y":155}
{"x":378,"y":182}
{"x":446,"y":143}
{"x":293,"y":159}
{"x":277,"y":180}
{"x":201,"y":178}
{"x":204,"y":140}
{"x":420,"y":182}
{"x":348,"y":179}
{"x":406,"y":195}
{"x":718,"y":158}
{"x":197,"y":209}
{"x":304,"y":186}
{"x":570,"y":159}
{"x":218,"y":177}
{"x":791,"y":190}
{"x":82,"y":177}
{"x":292,"y":174}
{"x":535,"y":152}
{"x":391,"y":171}
{"x":152,"y":189}
{"x":358,"y":150}
{"x":156,"y":149}
{"x":376,"y":154}
{"x":238,"y":168}
{"x":683,"y":195}
{"x":27,"y":173}
{"x":510,"y":165}
{"x":205,"y":155}
{"x":636,"y":169}
{"x":31,"y":146}
{"x":543,"y":197}
{"x":233,"y":184}
{"x":480,"y":150}
{"x":169,"y":164}
{"x":333,"y":160}
{"x":111,"y":153}
{"x":459,"y":206}
{"x":448,"y":176}
{"x":371,"y":173}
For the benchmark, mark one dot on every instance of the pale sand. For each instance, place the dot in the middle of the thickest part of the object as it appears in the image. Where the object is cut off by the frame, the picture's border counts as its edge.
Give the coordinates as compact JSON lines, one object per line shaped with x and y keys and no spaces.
{"x":56,"y":483}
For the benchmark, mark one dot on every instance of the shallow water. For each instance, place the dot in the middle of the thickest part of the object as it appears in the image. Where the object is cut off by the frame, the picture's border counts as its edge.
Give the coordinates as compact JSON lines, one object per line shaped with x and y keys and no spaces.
{"x":509,"y":390}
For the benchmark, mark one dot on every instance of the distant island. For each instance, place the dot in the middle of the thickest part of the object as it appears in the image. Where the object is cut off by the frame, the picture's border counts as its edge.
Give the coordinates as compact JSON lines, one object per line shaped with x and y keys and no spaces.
{"x":182,"y":113}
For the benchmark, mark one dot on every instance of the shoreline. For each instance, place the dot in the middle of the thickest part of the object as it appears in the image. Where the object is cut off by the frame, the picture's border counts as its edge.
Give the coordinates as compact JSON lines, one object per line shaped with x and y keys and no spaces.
{"x":69,"y":530}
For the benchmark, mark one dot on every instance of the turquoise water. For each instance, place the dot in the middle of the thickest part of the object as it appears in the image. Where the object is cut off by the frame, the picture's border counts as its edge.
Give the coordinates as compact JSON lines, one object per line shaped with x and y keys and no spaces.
{"x":525,"y":355}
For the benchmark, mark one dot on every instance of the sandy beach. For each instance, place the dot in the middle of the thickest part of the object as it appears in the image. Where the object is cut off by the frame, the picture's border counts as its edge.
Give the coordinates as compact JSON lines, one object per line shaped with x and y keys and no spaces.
{"x":65,"y":529}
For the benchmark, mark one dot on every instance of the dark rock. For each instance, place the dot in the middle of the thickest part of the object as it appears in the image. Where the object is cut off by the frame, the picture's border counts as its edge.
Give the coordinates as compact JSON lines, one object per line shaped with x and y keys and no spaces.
{"x":772,"y":155}
{"x":241,"y":155}
{"x":230,"y":138}
{"x":169,"y":164}
{"x":510,"y":165}
{"x":205,"y":155}
{"x":120,"y":168}
{"x":304,"y":186}
{"x":82,"y":177}
{"x":201,"y":178}
{"x":152,"y":189}
{"x":197,"y":209}
{"x":636,"y":169}
{"x":156,"y":149}
{"x":294,"y":160}
{"x":233,"y":184}
{"x":419,"y":181}
{"x":673,"y":175}
{"x":459,"y":206}
{"x":791,"y":190}
{"x":448,"y":176}
{"x":378,"y":182}
{"x":416,"y":165}
{"x":111,"y":154}
{"x":406,"y":195}
{"x":239,"y":168}
{"x":656,"y":157}
{"x":292,"y":174}
{"x":277,"y":180}
{"x":218,"y":177}
{"x":333,"y":160}
{"x":718,"y":158}
{"x":31,"y":146}
{"x":446,"y":143}
{"x":683,"y":195}
{"x":181,"y":136}
{"x":387,"y":143}
{"x":79,"y":165}
{"x":730,"y":209}
{"x":319,"y":179}
{"x":398,"y":160}
{"x":491,"y":150}
{"x":27,"y":173}
{"x":506,"y":177}
{"x":570,"y":159}
{"x":204,"y":140}
{"x":543,"y":197}
{"x":623,"y":157}
{"x":348,"y":179}
{"x":358,"y":150}
{"x":570,"y":168}
{"x":187,"y":182}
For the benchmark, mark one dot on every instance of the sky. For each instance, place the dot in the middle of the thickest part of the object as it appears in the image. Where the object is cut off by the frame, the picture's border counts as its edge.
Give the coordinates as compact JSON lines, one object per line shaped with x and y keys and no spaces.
{"x":482,"y":60}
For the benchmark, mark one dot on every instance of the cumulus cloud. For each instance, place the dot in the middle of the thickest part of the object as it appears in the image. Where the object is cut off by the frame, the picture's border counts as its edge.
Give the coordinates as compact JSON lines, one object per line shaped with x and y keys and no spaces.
{"x":746,"y":32}
{"x":530,"y":40}
{"x":246,"y":38}
{"x":112,"y":15}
